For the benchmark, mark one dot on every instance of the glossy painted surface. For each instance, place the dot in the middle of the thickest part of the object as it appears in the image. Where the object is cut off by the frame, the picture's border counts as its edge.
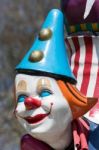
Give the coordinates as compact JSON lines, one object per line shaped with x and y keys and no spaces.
{"x":42,"y":108}
{"x":55,"y":60}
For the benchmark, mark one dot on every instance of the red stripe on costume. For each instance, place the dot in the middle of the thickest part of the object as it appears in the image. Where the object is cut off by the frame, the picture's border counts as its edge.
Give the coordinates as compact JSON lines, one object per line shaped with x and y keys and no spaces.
{"x":87,"y":66}
{"x":80,"y":134}
{"x":76,"y":61}
{"x":69,"y":48}
{"x":96,"y":90}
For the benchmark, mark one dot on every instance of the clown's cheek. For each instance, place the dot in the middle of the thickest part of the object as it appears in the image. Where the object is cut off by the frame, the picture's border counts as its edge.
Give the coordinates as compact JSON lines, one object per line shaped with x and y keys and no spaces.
{"x":20,"y":109}
{"x":47,"y":103}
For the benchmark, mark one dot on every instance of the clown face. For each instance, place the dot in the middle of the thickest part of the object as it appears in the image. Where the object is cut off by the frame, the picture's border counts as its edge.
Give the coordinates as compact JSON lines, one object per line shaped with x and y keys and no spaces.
{"x":41,"y":107}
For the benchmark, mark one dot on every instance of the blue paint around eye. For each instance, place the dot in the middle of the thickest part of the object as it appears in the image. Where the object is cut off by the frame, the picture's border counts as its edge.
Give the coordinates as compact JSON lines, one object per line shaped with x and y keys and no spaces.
{"x":45,"y":93}
{"x":21,"y":98}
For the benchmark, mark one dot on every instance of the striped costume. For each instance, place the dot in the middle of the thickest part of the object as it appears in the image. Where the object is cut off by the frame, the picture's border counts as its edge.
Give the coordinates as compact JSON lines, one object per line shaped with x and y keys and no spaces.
{"x":81,"y":19}
{"x":84,"y":60}
{"x":84,"y":63}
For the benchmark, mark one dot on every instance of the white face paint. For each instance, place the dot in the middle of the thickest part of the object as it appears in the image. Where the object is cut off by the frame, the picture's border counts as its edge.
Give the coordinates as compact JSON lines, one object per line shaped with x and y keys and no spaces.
{"x":56,"y":123}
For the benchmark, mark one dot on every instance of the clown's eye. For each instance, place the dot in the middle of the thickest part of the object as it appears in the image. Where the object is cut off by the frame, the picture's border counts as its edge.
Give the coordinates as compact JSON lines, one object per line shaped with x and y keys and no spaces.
{"x":45,"y":93}
{"x":21,"y":98}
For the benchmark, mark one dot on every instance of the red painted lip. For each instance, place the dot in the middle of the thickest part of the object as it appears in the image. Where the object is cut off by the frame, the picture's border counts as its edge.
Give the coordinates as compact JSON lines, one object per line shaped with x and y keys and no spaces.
{"x":35,"y":119}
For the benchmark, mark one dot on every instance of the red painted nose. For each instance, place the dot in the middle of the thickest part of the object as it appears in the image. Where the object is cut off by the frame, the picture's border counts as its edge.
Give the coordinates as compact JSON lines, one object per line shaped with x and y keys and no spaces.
{"x":32,"y":103}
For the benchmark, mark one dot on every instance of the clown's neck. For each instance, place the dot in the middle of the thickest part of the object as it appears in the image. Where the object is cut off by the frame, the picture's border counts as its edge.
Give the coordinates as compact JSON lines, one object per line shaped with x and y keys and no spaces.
{"x":59,"y":141}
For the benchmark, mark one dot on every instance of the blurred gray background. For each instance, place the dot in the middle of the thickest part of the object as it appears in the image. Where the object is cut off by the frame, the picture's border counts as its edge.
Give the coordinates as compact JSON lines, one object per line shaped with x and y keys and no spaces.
{"x":20,"y":21}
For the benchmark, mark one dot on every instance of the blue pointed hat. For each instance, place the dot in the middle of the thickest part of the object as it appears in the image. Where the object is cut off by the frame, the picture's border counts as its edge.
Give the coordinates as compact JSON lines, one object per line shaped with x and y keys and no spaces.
{"x":48,"y":55}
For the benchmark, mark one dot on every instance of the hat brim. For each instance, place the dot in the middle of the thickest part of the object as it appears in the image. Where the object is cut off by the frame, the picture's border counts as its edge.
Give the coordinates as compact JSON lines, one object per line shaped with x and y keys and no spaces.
{"x":47,"y":74}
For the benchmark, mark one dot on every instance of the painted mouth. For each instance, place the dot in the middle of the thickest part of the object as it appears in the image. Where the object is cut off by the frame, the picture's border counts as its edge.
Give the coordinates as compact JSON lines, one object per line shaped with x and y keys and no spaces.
{"x":35,"y":119}
{"x":38,"y":117}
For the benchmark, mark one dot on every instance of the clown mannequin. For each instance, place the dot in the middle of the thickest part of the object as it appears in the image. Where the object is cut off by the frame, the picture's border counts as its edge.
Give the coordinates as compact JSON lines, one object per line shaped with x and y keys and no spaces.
{"x":47,"y":102}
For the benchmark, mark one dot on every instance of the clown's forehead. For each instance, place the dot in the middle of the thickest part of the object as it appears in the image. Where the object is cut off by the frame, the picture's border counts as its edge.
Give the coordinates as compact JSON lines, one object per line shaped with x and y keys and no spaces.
{"x":20,"y":77}
{"x":23,"y":81}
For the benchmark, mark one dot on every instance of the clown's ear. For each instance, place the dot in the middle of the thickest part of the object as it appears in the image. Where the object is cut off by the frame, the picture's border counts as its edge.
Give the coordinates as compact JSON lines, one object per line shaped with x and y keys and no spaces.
{"x":79,"y":104}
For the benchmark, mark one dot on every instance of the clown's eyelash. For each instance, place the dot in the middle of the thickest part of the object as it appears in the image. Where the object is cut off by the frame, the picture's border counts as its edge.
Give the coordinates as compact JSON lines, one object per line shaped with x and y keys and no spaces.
{"x":42,"y":88}
{"x":22,"y":93}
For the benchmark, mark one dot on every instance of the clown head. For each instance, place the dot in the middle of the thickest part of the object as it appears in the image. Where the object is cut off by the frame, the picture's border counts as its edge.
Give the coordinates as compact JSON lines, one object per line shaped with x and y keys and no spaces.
{"x":45,"y":105}
{"x":41,"y":108}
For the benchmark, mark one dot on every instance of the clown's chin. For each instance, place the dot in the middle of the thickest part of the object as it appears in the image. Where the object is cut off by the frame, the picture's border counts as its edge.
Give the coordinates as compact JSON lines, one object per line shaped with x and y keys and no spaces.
{"x":30,"y":124}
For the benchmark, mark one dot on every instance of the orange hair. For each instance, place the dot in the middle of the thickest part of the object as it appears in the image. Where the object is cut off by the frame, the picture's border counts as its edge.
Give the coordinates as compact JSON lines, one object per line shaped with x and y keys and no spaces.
{"x":79,"y":103}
